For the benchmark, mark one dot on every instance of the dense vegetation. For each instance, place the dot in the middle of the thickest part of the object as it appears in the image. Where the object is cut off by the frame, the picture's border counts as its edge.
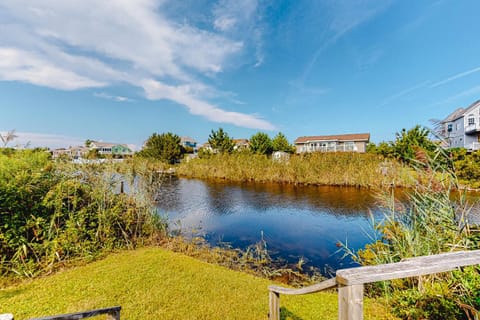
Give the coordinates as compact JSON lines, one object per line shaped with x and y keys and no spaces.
{"x":338,"y":169}
{"x":431,"y":221}
{"x":51,"y":213}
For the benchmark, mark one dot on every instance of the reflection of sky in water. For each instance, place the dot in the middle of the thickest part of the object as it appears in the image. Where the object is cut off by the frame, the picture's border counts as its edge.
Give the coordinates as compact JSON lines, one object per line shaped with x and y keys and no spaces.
{"x":296,"y":221}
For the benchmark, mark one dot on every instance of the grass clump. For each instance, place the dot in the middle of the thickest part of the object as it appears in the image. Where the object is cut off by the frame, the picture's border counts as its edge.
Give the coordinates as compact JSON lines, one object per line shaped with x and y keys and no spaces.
{"x":152,"y":283}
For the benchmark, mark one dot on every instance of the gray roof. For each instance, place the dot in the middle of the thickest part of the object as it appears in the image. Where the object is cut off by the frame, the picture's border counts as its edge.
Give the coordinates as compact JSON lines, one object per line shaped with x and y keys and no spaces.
{"x":460,"y":112}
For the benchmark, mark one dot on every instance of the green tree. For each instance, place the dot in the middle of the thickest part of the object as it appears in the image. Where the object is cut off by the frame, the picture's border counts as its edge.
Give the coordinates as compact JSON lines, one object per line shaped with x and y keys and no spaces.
{"x":280,"y":143}
{"x":88,"y":142}
{"x":408,"y":143}
{"x":220,"y":141}
{"x":261,"y":143}
{"x":165,"y":147}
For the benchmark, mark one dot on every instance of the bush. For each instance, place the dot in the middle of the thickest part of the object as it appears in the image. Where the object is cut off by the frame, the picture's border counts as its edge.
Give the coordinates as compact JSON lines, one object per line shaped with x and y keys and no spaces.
{"x":51,"y":213}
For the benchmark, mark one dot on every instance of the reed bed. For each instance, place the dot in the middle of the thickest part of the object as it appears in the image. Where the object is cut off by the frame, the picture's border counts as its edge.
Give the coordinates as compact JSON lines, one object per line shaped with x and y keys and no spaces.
{"x":336,"y":169}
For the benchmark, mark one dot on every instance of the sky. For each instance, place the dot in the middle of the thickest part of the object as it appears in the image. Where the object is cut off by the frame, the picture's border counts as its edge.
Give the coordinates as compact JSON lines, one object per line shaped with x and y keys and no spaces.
{"x":121,"y":70}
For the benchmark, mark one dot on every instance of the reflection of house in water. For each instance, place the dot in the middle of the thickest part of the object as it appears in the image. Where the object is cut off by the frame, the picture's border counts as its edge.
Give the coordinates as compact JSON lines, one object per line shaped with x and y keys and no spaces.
{"x":356,"y":142}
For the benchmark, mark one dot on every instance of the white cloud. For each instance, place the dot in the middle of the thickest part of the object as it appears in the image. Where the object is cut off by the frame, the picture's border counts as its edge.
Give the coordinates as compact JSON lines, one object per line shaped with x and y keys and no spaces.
{"x":71,"y":45}
{"x":185,"y":96}
{"x":110,"y":97}
{"x":19,"y":65}
{"x":35,"y":139}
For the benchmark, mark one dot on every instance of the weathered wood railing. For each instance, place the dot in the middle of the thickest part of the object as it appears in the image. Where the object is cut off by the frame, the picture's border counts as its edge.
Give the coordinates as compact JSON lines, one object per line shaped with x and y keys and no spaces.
{"x":350,"y":281}
{"x":113,"y":313}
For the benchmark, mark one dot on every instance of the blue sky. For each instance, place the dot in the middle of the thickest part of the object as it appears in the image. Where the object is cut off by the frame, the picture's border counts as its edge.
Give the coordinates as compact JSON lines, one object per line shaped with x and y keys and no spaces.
{"x":121,"y":70}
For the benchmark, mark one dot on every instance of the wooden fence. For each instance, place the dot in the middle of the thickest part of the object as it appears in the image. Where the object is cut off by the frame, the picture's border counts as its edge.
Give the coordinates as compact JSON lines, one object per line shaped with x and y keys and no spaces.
{"x":350,"y":281}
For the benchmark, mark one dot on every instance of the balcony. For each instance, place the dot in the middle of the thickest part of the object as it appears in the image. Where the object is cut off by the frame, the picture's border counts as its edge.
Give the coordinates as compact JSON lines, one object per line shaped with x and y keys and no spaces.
{"x":472,"y":128}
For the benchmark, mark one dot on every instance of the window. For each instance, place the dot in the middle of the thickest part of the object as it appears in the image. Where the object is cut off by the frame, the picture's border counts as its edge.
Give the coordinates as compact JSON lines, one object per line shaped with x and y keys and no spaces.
{"x":471,"y":120}
{"x":450,"y":127}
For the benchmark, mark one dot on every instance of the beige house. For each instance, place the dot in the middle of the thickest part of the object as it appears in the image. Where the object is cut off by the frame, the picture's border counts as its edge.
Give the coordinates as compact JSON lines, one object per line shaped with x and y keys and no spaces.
{"x":356,"y":142}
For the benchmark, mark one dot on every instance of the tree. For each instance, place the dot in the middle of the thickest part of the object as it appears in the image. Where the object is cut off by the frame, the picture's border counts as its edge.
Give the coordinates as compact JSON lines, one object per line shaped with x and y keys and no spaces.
{"x":88,"y":142}
{"x":7,"y":137}
{"x":408,"y":143}
{"x":165,"y":147}
{"x":261,"y":143}
{"x":280,"y":143}
{"x":220,"y":141}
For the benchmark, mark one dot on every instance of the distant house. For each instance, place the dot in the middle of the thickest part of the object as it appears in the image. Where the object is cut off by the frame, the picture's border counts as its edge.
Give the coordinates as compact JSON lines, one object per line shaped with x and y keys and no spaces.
{"x":188,"y":142}
{"x":240,"y":144}
{"x":345,"y":142}
{"x":77,"y":152}
{"x":461,"y":129}
{"x":114,"y":149}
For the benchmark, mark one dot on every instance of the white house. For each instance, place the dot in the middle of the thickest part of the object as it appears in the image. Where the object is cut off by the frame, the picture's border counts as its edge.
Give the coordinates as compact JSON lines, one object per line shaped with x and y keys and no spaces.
{"x":461,"y":129}
{"x":356,"y":142}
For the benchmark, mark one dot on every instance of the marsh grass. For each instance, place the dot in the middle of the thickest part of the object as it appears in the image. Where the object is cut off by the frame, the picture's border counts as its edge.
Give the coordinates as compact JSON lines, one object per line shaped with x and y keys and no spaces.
{"x":429,"y":222}
{"x":336,"y":169}
{"x":55,"y":213}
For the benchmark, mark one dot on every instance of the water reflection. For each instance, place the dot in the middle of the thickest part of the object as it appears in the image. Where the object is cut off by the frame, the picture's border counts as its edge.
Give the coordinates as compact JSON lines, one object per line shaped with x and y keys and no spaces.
{"x":297,"y":222}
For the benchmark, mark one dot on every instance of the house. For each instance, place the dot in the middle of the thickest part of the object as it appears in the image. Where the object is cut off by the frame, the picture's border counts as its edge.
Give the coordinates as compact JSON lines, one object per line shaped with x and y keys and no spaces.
{"x":461,"y":129}
{"x":114,"y":149}
{"x":77,"y":152}
{"x":188,"y":142}
{"x":356,"y":142}
{"x":240,"y":144}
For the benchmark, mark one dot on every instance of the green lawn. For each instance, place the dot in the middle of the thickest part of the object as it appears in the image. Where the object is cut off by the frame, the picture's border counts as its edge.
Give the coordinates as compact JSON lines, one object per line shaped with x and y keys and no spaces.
{"x":154,"y":283}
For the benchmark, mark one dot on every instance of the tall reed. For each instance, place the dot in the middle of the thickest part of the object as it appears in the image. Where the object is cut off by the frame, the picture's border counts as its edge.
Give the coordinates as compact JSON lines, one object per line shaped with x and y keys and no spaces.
{"x":431,"y":221}
{"x":338,"y":169}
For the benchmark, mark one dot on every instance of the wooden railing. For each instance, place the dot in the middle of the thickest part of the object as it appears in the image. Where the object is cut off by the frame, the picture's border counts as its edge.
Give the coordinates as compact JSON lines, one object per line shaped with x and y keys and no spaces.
{"x":350,"y":281}
{"x":113,"y":313}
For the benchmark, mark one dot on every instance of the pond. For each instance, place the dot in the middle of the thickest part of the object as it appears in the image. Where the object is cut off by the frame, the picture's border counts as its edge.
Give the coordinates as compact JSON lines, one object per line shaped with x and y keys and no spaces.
{"x":297,"y":222}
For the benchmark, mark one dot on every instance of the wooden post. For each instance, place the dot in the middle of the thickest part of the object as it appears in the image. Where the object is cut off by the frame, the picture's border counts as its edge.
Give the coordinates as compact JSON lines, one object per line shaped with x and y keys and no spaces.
{"x":274,"y":306}
{"x":350,"y":302}
{"x":114,"y":315}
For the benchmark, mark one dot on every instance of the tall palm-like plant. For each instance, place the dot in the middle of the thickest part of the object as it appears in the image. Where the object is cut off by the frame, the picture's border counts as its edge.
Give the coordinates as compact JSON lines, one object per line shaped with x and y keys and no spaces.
{"x":7,"y":137}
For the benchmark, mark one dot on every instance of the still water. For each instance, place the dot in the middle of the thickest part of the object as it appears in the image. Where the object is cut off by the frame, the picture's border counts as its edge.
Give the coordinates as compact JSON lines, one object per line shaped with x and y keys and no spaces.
{"x":297,"y":222}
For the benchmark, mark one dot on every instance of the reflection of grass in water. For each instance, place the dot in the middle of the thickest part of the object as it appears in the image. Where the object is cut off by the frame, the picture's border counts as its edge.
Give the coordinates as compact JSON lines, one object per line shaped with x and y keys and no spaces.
{"x":255,"y":259}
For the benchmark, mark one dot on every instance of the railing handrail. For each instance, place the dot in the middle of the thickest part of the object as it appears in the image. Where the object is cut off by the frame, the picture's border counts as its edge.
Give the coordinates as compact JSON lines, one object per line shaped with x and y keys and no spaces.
{"x":324,"y":285}
{"x":412,"y":267}
{"x":350,"y":281}
{"x":112,"y":312}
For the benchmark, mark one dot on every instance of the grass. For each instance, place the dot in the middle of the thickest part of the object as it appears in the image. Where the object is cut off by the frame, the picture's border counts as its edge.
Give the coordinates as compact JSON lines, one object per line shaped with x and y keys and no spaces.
{"x":154,"y":283}
{"x":336,"y":169}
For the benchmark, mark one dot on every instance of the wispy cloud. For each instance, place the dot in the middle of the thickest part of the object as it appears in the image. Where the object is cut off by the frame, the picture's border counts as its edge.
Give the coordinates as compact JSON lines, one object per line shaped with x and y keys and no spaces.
{"x":110,"y":97}
{"x":402,"y":93}
{"x":473,"y":91}
{"x":66,"y":45}
{"x":242,"y":20}
{"x":344,"y":16}
{"x":455,"y":77}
